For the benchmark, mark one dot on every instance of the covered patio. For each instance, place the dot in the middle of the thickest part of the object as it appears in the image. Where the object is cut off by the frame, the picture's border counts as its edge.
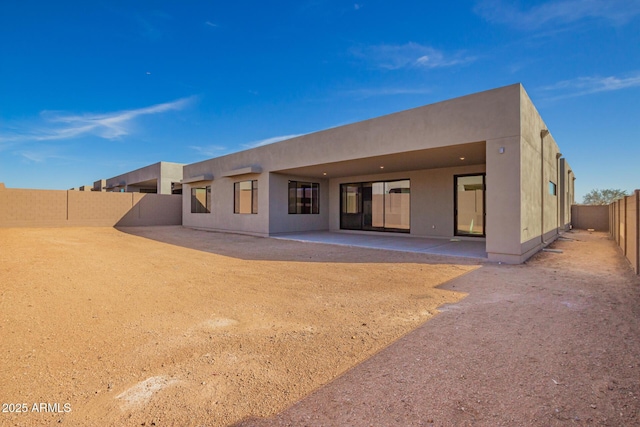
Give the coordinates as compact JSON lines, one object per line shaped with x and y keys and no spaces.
{"x":394,"y":242}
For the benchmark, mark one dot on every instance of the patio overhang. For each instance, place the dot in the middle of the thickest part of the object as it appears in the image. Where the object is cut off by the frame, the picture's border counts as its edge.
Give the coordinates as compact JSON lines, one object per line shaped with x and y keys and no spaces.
{"x":433,"y":158}
{"x":150,"y":183}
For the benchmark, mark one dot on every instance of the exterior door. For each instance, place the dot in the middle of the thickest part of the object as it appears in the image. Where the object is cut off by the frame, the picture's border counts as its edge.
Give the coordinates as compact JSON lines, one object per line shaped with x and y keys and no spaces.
{"x":469,"y":205}
{"x":351,"y":206}
{"x":376,"y":206}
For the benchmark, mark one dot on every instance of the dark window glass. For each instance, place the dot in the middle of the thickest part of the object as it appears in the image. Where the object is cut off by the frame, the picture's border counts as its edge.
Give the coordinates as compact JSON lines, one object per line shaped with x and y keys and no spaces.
{"x":245,"y":197}
{"x":304,"y":197}
{"x":254,"y":197}
{"x":201,"y":200}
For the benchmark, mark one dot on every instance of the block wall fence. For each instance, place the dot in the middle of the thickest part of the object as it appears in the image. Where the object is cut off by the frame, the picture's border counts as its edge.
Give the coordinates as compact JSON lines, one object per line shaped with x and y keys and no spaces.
{"x":624,"y":227}
{"x":585,"y":217}
{"x":60,"y":208}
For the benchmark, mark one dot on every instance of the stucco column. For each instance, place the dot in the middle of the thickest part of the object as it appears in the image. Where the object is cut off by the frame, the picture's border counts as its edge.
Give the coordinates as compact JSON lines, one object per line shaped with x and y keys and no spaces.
{"x":164,"y":185}
{"x":503,"y":200}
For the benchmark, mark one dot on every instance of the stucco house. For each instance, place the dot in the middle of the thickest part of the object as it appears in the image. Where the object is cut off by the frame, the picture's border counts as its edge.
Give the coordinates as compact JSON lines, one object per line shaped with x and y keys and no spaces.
{"x":158,"y":178}
{"x":482,"y":166}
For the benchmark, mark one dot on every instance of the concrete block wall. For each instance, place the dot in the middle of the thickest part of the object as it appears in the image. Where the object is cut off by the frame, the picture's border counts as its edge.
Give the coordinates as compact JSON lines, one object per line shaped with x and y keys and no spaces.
{"x":153,"y":209}
{"x":624,"y":220}
{"x":584,"y":217}
{"x":65,"y":208}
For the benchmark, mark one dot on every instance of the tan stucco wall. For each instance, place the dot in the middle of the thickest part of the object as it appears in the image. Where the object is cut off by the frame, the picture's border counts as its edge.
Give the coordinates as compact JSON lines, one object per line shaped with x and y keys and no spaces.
{"x":478,"y":117}
{"x":535,"y":187}
{"x":503,"y":194}
{"x":169,"y":172}
{"x":504,"y":120}
{"x":432,"y":203}
{"x":99,"y":185}
{"x":483,"y":116}
{"x":60,"y":208}
{"x":280,"y":221}
{"x":539,"y":219}
{"x":567,"y":189}
{"x":164,"y":173}
{"x":221,"y":217}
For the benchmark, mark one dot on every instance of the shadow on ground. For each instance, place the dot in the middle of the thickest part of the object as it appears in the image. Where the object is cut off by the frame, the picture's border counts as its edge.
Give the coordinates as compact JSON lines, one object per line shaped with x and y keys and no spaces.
{"x":271,"y":249}
{"x":552,"y":342}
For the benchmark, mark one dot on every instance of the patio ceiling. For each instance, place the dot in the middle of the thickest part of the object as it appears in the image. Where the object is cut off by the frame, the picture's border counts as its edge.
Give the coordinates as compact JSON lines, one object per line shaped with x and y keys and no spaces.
{"x":151,"y":183}
{"x":433,"y":158}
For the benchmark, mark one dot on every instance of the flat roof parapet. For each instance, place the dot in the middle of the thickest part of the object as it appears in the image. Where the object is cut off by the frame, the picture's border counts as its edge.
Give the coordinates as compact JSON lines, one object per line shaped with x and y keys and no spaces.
{"x":243,"y":171}
{"x":198,"y":178}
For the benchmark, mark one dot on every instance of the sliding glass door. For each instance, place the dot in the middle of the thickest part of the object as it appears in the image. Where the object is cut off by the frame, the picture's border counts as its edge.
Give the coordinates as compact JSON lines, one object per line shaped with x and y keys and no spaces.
{"x":469,"y":205}
{"x":376,"y":206}
{"x":351,"y":206}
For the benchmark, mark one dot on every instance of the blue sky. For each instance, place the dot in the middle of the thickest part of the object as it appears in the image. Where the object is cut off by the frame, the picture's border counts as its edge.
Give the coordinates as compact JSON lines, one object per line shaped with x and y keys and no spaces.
{"x":92,"y":89}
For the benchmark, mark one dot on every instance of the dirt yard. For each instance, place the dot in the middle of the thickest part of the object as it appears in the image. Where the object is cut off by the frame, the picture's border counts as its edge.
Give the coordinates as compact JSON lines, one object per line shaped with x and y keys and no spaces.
{"x":171,"y":326}
{"x":553,"y":342}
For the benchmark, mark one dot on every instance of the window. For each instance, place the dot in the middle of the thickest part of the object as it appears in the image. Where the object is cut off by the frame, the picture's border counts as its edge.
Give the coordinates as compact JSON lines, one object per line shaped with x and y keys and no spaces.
{"x":201,"y":200}
{"x":245,"y":197}
{"x":303,"y":197}
{"x":552,"y":188}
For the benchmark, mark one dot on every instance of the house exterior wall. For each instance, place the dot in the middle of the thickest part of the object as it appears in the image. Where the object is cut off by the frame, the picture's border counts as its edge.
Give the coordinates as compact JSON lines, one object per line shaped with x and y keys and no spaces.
{"x":521,"y":215}
{"x":567,"y":189}
{"x":539,"y":165}
{"x":163,"y":173}
{"x":503,"y":194}
{"x":479,"y":117}
{"x":280,"y":221}
{"x":169,"y":173}
{"x":99,"y":185}
{"x":222,"y":217}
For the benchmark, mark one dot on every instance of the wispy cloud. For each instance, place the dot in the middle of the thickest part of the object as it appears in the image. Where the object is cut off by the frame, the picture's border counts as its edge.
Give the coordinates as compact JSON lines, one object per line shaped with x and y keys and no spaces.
{"x":8,"y":141}
{"x":618,"y":12}
{"x":209,"y":150}
{"x":271,"y":140}
{"x":210,"y":24}
{"x":589,"y":85}
{"x":54,"y":125}
{"x":40,"y":154}
{"x":410,"y":55}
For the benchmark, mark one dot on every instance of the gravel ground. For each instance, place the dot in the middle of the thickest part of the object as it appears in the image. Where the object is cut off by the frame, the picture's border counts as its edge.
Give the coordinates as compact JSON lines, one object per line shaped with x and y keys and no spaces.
{"x":553,"y":342}
{"x":171,"y":326}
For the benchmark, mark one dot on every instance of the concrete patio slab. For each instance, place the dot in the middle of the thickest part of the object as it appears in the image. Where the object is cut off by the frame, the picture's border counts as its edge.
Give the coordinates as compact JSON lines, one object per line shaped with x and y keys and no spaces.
{"x":398,"y":242}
